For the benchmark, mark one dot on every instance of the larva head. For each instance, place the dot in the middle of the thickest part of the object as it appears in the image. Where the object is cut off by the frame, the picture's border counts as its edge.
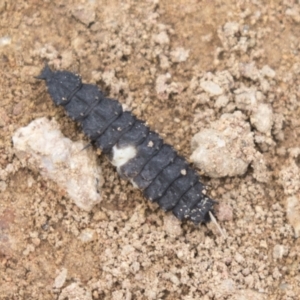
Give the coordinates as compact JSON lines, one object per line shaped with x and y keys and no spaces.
{"x":61,"y":84}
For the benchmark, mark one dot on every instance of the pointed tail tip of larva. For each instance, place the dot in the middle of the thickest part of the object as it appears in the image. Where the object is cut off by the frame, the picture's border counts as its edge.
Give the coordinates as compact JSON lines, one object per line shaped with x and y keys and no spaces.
{"x":45,"y":74}
{"x":219,"y":228}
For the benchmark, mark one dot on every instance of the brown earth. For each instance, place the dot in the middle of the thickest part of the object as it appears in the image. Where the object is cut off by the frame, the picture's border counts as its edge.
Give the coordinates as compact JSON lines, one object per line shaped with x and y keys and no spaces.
{"x":136,"y":250}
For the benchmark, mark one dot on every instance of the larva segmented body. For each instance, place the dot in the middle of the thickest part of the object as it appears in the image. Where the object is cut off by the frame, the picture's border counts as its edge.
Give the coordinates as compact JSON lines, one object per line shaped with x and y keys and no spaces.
{"x":139,"y":154}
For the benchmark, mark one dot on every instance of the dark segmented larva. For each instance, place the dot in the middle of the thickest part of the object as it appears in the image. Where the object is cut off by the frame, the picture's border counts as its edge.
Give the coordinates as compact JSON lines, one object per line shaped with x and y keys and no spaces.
{"x":139,"y":154}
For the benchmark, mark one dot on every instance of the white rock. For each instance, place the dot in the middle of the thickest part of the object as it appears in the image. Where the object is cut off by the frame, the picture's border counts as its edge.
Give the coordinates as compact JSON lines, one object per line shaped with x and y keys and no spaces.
{"x":179,"y":55}
{"x":262,"y":118}
{"x":294,"y":13}
{"x":268,"y":72}
{"x":164,"y":62}
{"x":162,"y":38}
{"x":202,"y":98}
{"x":3,"y":186}
{"x":239,"y":258}
{"x":231,"y":28}
{"x":249,"y":71}
{"x":221,"y":101}
{"x":245,"y":98}
{"x":211,"y":87}
{"x":225,"y":149}
{"x":279,"y":251}
{"x":87,"y":235}
{"x":60,"y":278}
{"x":85,"y":14}
{"x":42,"y":145}
{"x":5,"y":40}
{"x":172,"y":225}
{"x":75,"y":292}
{"x":164,"y":86}
{"x":162,"y":83}
{"x":227,"y":286}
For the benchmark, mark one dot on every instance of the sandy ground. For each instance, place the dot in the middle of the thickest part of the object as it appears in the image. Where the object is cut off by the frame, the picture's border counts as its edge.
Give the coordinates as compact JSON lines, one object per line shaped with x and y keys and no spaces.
{"x":133,"y":249}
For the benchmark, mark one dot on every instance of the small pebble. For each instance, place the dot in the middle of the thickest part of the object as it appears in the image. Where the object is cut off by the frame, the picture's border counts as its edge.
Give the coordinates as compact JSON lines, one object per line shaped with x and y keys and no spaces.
{"x":212,"y":88}
{"x":60,"y":278}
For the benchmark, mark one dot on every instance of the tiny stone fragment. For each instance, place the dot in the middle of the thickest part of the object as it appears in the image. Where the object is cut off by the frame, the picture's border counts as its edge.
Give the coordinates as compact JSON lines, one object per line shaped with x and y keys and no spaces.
{"x":294,"y":14}
{"x":75,"y":292}
{"x":249,"y":71}
{"x":279,"y":251}
{"x":221,"y":101}
{"x":246,"y":98}
{"x":212,"y":88}
{"x":179,"y":55}
{"x":231,"y":28}
{"x":60,"y":278}
{"x":268,"y":72}
{"x":5,"y":40}
{"x":85,"y":14}
{"x":87,"y":235}
{"x":262,"y":118}
{"x":260,"y":169}
{"x":162,"y":38}
{"x":3,"y":186}
{"x":172,"y":225}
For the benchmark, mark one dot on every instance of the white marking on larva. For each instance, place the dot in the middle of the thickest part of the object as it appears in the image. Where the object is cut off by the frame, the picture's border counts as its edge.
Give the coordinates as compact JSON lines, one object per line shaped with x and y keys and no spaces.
{"x":150,"y":144}
{"x":122,"y":155}
{"x":183,"y":172}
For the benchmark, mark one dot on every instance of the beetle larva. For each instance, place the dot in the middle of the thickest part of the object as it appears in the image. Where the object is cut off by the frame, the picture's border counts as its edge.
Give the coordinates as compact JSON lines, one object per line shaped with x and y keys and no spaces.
{"x":139,"y":154}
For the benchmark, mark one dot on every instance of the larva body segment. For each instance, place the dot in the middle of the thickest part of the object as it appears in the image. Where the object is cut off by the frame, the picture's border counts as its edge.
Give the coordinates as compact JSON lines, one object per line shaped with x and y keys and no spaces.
{"x":139,"y":154}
